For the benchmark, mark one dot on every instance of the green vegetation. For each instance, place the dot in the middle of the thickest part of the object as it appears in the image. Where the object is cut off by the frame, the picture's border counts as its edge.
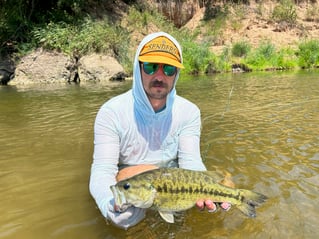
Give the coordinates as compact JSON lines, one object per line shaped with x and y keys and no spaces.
{"x":85,"y":37}
{"x":285,"y":12}
{"x":197,"y":57}
{"x":72,"y":27}
{"x":241,"y":49}
{"x":213,"y":23}
{"x":266,"y":57}
{"x":19,"y":17}
{"x":308,"y":54}
{"x":312,"y":13}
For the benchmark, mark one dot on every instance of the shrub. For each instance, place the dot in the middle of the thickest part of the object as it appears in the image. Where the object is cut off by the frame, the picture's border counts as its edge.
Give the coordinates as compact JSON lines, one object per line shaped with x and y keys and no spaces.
{"x":240,"y":49}
{"x":266,"y":50}
{"x":312,"y":13}
{"x":85,"y":37}
{"x":285,"y":12}
{"x":224,"y":62}
{"x":286,"y":59}
{"x":197,"y":57}
{"x":261,"y":58}
{"x":308,"y":54}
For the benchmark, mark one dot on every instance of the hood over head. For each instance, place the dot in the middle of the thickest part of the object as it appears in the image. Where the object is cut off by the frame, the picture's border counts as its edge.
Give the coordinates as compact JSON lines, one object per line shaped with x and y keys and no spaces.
{"x":158,"y":47}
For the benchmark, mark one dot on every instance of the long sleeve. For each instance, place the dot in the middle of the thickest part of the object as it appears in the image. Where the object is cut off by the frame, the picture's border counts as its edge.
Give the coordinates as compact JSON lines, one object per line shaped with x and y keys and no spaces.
{"x":105,"y":159}
{"x":189,"y":156}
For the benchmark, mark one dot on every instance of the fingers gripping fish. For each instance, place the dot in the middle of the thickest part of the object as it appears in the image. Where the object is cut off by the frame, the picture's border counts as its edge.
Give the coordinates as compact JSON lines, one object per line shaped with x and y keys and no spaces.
{"x":170,"y":190}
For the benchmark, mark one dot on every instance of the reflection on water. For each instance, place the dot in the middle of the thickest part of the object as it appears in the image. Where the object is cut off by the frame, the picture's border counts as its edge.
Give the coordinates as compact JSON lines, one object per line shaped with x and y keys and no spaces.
{"x":262,"y":128}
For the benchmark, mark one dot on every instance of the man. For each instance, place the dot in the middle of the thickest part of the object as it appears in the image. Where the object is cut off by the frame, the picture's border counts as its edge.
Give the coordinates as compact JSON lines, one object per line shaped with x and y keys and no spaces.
{"x":148,"y":126}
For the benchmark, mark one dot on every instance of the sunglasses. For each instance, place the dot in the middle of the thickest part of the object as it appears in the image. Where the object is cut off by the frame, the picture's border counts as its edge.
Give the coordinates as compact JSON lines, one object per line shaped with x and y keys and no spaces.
{"x":151,"y":68}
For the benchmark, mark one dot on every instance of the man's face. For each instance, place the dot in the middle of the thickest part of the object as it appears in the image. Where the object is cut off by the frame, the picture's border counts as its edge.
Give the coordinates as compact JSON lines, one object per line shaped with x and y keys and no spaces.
{"x":158,"y":84}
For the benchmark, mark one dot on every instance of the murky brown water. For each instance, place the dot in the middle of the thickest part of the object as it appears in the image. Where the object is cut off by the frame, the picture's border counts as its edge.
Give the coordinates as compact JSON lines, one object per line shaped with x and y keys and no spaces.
{"x":261,"y":128}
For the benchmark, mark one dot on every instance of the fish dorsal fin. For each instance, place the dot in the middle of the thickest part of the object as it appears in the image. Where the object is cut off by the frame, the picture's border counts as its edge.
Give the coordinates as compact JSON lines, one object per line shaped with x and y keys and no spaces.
{"x":167,"y":216}
{"x":223,"y":178}
{"x":216,"y":176}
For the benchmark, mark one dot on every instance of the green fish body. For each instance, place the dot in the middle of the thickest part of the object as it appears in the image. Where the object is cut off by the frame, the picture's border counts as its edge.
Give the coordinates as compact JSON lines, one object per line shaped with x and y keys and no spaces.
{"x":170,"y":190}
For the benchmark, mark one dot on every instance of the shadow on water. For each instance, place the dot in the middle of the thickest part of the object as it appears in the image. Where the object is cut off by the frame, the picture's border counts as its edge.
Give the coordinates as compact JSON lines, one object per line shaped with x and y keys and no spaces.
{"x":261,"y":128}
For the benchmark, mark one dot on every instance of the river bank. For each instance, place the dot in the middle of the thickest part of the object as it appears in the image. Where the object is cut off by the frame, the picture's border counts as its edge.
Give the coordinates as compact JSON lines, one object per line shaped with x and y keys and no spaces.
{"x":220,"y":37}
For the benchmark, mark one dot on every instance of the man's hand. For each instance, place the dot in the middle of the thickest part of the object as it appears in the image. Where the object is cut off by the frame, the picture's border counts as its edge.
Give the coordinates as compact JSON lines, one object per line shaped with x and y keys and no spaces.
{"x":126,"y":219}
{"x":132,"y":215}
{"x":211,"y":206}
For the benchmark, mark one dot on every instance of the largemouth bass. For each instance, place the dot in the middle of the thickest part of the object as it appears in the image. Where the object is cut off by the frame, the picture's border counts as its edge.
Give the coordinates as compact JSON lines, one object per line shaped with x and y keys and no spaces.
{"x":170,"y":190}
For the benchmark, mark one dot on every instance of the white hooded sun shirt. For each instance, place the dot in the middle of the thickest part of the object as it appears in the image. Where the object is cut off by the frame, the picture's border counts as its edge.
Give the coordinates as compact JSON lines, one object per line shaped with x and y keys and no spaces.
{"x":128,"y":131}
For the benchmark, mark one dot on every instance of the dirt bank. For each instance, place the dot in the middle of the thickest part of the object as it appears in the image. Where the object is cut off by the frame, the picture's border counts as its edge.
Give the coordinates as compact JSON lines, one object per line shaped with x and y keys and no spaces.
{"x":253,"y":23}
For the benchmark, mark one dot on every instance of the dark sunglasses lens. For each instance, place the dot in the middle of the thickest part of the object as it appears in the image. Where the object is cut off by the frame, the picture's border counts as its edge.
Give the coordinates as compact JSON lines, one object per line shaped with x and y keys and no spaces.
{"x":169,"y":70}
{"x":150,"y":68}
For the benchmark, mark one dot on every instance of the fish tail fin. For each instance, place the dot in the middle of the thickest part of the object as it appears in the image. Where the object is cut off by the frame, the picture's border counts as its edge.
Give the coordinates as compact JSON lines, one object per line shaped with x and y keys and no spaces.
{"x":249,"y":200}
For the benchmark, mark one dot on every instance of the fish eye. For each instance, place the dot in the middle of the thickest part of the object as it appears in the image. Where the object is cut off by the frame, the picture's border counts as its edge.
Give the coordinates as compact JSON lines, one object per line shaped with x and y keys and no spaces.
{"x":126,"y":186}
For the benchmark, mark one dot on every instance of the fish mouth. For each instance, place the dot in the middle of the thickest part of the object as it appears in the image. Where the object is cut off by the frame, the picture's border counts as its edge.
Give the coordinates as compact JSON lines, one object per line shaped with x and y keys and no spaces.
{"x":120,"y":202}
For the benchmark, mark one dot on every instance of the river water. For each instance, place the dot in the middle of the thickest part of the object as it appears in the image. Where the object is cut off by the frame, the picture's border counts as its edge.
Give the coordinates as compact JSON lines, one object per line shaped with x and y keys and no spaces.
{"x":262,"y":128}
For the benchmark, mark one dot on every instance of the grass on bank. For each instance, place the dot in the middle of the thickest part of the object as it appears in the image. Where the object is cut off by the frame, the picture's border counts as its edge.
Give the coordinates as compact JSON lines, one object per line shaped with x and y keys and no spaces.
{"x":83,"y":38}
{"x":92,"y":35}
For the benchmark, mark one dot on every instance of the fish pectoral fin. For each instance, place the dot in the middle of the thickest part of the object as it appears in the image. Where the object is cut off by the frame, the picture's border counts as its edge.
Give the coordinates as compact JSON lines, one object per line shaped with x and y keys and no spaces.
{"x":167,"y":216}
{"x":150,"y":200}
